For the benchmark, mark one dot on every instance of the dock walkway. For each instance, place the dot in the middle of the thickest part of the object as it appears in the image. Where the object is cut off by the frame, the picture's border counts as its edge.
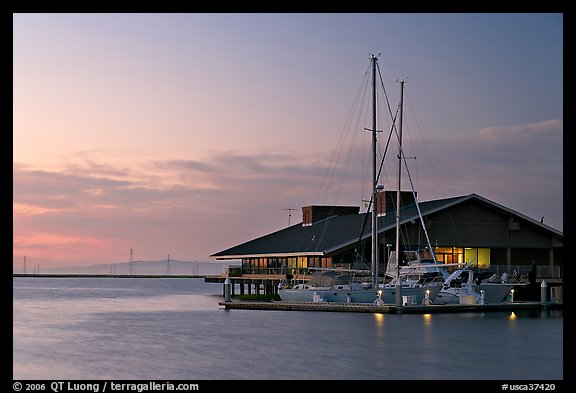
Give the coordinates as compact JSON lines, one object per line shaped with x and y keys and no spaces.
{"x":387,"y":308}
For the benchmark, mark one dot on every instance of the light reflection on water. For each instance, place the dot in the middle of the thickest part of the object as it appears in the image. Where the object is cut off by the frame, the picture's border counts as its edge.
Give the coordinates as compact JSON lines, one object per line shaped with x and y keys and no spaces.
{"x":173,"y":329}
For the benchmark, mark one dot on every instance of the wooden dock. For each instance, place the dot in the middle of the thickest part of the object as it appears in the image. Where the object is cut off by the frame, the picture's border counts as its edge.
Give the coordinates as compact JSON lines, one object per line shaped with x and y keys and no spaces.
{"x":388,"y":308}
{"x":105,"y":275}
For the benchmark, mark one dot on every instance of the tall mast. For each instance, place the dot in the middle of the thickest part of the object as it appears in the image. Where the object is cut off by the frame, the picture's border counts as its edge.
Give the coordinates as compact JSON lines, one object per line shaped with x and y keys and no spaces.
{"x":374,"y":178}
{"x":399,"y":184}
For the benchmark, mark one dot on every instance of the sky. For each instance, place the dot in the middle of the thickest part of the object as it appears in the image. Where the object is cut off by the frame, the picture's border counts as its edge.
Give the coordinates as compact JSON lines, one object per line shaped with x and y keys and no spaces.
{"x":186,"y":134}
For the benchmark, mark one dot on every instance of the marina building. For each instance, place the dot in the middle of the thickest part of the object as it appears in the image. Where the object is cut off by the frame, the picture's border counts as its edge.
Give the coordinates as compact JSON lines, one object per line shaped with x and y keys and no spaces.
{"x":462,"y":229}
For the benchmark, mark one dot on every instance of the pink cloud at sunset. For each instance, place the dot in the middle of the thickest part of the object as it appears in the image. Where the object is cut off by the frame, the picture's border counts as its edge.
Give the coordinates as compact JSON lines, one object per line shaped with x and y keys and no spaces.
{"x":186,"y":134}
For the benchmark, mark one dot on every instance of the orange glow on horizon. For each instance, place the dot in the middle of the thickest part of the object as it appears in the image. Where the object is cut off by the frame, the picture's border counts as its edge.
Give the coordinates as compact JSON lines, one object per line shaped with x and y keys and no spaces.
{"x":42,"y":245}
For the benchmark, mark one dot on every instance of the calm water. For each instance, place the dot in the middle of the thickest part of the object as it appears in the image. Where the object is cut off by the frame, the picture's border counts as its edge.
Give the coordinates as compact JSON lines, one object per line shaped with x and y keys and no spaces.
{"x":171,"y":328}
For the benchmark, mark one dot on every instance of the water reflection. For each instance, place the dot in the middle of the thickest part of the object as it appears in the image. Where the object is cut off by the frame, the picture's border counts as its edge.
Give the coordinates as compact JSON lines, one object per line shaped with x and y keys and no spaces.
{"x":90,"y":329}
{"x":379,"y":318}
{"x":427,"y":319}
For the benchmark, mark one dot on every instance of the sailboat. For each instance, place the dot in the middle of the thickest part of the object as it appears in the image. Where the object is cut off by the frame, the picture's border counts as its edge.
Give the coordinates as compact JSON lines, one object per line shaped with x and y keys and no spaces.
{"x":338,"y":287}
{"x":459,"y":286}
{"x":462,"y":287}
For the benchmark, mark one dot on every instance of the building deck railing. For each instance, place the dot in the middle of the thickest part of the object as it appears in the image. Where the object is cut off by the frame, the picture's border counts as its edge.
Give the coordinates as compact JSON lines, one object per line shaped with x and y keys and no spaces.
{"x":516,"y":272}
{"x":542,"y":272}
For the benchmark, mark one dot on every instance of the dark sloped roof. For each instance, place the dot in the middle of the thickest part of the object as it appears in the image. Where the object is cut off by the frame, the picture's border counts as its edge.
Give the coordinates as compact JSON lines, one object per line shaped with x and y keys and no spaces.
{"x":337,"y":232}
{"x":298,"y":239}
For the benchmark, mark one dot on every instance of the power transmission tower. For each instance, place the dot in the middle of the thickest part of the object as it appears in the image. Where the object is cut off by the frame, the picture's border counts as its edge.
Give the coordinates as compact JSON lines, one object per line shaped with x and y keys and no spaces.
{"x":131,"y":266}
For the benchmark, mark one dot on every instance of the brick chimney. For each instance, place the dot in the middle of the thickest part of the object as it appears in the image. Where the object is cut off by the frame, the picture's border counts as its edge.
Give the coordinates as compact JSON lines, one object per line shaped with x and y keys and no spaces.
{"x":315,"y":213}
{"x":386,"y":201}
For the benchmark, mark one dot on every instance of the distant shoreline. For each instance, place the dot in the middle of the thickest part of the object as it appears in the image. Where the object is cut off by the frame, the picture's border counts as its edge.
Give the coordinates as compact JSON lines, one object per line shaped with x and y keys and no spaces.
{"x":80,"y":275}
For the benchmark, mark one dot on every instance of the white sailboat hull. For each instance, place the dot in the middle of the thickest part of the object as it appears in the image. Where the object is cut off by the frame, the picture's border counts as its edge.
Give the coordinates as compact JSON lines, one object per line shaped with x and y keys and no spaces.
{"x":418,"y":294}
{"x":493,"y":293}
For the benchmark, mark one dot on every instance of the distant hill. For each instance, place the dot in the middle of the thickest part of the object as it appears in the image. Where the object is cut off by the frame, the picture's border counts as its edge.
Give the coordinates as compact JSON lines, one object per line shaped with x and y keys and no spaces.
{"x":144,"y":267}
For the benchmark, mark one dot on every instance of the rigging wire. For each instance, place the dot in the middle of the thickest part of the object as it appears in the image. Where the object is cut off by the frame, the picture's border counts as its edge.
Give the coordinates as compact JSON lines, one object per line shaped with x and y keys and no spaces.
{"x":359,"y":249}
{"x":362,"y":92}
{"x":434,"y":171}
{"x":339,"y":151}
{"x":418,"y":207}
{"x":331,"y":169}
{"x":348,"y":154}
{"x":404,"y":231}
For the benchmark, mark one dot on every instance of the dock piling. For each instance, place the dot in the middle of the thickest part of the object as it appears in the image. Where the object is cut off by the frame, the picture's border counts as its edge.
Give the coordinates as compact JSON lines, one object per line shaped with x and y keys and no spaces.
{"x":543,"y":293}
{"x":227,"y":290}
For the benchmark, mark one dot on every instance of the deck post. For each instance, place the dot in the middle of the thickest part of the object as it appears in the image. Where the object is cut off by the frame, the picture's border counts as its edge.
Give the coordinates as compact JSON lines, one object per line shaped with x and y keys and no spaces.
{"x":227,"y":285}
{"x":543,"y":293}
{"x":398,"y":288}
